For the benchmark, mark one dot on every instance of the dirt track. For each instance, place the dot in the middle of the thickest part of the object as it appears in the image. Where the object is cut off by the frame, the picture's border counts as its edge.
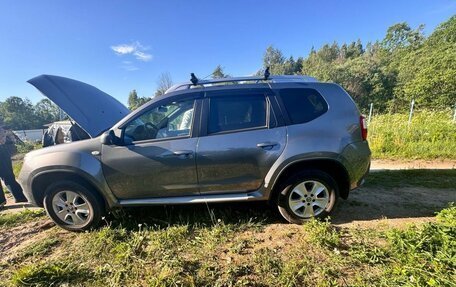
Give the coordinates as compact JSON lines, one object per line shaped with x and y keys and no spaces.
{"x":382,"y":164}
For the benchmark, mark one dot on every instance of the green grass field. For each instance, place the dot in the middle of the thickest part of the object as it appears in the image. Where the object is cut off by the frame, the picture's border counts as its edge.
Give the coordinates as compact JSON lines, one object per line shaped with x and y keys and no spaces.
{"x":430,"y":135}
{"x":199,"y":252}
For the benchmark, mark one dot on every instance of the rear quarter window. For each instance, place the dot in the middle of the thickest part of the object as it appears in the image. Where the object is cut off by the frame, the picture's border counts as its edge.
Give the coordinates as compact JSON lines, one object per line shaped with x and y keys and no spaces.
{"x":303,"y":105}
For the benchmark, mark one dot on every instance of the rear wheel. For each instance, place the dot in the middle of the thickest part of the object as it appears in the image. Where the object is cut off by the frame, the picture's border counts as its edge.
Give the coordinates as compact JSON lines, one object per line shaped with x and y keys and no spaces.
{"x":308,"y":194}
{"x":72,"y":206}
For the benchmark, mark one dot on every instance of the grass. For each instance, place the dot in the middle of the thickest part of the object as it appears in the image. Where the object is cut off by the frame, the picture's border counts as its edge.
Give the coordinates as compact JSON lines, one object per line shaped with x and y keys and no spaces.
{"x":41,"y":248}
{"x":425,"y":255}
{"x":444,"y":179}
{"x":238,"y":252}
{"x":15,"y":219}
{"x":51,"y":274}
{"x":17,"y":165}
{"x":430,"y":135}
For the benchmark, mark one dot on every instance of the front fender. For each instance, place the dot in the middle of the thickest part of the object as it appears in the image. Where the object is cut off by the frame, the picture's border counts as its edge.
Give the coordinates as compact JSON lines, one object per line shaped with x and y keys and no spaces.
{"x":78,"y":163}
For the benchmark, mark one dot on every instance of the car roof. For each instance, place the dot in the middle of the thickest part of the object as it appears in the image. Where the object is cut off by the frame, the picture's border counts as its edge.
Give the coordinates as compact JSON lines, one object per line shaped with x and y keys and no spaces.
{"x":195,"y":82}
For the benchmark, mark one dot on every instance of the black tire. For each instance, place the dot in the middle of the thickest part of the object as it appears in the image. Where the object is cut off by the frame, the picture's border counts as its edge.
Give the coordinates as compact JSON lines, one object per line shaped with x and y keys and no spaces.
{"x":94,"y":204}
{"x":307,"y":179}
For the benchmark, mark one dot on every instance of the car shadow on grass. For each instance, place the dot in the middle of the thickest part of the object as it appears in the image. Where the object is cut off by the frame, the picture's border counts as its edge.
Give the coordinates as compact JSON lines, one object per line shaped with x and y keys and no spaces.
{"x":252,"y":213}
{"x":386,"y":194}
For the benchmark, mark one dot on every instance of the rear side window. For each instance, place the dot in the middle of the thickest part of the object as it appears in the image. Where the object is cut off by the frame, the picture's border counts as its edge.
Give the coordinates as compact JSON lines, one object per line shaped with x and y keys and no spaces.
{"x":237,"y":113}
{"x":303,"y":105}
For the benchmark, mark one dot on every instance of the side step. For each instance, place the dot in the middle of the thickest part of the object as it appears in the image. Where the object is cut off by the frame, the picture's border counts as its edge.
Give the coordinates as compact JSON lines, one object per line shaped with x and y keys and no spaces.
{"x":214,"y":198}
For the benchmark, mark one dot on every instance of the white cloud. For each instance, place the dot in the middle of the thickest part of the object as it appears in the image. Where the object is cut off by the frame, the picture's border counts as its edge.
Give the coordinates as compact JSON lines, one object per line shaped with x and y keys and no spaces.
{"x":123,"y":49}
{"x":143,"y":56}
{"x":135,"y":49}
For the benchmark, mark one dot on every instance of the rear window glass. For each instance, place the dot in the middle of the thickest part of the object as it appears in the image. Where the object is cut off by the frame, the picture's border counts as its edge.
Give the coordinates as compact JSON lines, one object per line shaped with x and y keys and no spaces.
{"x":303,"y":105}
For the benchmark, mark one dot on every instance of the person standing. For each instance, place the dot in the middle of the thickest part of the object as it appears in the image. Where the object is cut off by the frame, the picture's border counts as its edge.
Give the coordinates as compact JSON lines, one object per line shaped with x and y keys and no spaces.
{"x":6,"y":171}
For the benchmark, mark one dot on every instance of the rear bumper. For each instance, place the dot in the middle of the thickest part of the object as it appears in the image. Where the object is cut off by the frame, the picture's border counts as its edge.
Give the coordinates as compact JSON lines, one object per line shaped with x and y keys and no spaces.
{"x":362,"y":180}
{"x":357,"y":158}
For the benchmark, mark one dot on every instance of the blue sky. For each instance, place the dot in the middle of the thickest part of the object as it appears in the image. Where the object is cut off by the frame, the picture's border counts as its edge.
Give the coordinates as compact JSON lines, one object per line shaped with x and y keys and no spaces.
{"x":118,"y":45}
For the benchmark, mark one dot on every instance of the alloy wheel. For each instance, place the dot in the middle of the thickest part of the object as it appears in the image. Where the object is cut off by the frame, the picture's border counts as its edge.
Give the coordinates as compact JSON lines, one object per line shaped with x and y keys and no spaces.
{"x":72,"y":208}
{"x":308,"y":199}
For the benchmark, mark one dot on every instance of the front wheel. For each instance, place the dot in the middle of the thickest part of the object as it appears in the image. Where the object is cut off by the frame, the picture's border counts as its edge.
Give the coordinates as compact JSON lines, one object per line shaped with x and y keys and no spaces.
{"x":72,"y":206}
{"x":308,"y":194}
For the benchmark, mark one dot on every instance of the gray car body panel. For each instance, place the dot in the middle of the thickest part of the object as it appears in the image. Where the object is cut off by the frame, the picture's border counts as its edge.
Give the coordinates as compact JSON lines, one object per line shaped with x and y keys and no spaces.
{"x":94,"y":110}
{"x":341,"y":130}
{"x":78,"y":158}
{"x":340,"y":142}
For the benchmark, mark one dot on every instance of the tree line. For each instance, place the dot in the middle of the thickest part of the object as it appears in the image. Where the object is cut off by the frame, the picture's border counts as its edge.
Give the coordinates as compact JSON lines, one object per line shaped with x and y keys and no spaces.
{"x":404,"y":65}
{"x":20,"y":114}
{"x":389,"y":73}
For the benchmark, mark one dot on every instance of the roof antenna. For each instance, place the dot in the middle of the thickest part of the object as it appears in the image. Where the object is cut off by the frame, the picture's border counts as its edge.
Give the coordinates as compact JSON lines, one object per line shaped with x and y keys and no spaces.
{"x":266,"y":73}
{"x":193,"y":79}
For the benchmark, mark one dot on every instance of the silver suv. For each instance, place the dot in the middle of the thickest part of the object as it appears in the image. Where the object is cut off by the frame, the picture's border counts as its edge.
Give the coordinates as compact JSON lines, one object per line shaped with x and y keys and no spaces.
{"x":291,"y":140}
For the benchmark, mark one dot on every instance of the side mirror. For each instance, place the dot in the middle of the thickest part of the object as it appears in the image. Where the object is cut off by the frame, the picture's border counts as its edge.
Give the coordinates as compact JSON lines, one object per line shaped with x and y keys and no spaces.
{"x":109,"y":138}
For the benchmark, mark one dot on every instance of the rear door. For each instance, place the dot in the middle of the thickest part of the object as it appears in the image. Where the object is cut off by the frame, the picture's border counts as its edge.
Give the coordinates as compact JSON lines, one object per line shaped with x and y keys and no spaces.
{"x":241,"y":139}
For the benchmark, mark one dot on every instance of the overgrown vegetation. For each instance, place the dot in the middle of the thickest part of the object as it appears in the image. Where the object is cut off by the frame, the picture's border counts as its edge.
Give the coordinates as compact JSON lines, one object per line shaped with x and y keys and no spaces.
{"x":429,"y":135}
{"x":191,"y":249}
{"x":425,"y":255}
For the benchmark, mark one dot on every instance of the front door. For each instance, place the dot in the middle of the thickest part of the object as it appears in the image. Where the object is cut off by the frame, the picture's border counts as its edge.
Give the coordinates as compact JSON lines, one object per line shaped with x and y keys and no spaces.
{"x":158,"y":157}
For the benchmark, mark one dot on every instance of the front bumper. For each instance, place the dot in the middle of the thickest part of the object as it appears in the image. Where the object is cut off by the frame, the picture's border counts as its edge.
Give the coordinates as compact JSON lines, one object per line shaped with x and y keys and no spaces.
{"x":24,"y":181}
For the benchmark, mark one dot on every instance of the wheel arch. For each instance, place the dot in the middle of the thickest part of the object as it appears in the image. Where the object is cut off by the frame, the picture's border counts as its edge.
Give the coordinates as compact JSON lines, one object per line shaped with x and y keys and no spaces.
{"x":332,"y":167}
{"x":43,"y":180}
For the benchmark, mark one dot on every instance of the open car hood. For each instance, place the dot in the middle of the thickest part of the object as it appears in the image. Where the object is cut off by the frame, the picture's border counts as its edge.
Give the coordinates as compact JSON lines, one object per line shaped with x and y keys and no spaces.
{"x":94,"y":110}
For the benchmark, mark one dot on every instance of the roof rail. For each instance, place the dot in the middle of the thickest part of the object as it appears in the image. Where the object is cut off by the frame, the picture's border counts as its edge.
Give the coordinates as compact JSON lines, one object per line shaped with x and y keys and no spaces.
{"x":195,"y":82}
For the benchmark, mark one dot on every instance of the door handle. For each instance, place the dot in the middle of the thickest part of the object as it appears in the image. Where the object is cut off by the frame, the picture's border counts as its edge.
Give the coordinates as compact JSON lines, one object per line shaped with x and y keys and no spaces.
{"x":183,"y":152}
{"x":267,"y":145}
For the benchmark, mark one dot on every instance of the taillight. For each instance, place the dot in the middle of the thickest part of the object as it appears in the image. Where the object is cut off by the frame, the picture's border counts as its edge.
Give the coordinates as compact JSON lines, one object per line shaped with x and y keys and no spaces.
{"x":363,"y":126}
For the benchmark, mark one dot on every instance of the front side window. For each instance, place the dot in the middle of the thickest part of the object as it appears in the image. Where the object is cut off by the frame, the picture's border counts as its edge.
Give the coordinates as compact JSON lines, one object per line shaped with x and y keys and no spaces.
{"x":236,"y":113}
{"x":165,"y":121}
